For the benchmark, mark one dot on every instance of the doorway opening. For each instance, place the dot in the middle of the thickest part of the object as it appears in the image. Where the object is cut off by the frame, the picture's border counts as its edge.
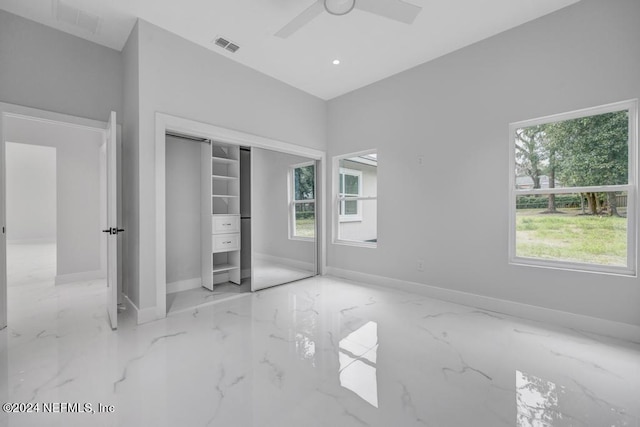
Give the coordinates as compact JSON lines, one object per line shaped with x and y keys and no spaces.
{"x":54,"y":198}
{"x":31,"y":219}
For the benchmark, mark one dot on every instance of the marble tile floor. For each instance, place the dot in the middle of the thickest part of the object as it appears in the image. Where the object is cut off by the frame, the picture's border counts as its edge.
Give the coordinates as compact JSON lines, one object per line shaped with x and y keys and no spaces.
{"x":179,"y":302}
{"x":267,"y":273}
{"x":318,"y":352}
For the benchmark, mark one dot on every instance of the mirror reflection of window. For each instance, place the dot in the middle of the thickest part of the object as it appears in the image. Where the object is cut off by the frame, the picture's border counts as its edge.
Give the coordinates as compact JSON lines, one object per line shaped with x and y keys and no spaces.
{"x":302,"y":201}
{"x":357,"y":355}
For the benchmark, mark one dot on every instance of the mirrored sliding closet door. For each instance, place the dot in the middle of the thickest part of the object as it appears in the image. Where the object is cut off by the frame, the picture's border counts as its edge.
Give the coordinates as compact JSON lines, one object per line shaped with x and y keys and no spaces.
{"x":283,"y":218}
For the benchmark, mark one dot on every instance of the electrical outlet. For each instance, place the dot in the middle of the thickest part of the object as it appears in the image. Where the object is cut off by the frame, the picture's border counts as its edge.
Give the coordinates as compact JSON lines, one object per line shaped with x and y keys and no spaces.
{"x":420,"y":265}
{"x":420,"y":160}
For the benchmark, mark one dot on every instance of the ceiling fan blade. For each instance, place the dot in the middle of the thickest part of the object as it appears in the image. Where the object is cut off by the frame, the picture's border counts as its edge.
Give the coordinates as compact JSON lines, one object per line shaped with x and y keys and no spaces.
{"x":301,"y":20}
{"x":397,"y":10}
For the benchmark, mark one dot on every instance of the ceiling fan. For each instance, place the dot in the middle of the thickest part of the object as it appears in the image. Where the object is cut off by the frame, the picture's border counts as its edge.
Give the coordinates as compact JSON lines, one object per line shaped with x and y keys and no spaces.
{"x":397,"y":10}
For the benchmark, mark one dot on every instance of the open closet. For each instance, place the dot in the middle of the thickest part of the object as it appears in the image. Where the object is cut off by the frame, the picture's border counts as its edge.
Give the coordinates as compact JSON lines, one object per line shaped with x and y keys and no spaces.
{"x":221,"y":253}
{"x":238,"y":219}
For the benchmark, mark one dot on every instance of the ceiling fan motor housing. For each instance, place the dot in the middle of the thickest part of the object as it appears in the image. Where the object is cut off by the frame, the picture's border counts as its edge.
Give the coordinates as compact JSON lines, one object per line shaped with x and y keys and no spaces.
{"x":339,"y":7}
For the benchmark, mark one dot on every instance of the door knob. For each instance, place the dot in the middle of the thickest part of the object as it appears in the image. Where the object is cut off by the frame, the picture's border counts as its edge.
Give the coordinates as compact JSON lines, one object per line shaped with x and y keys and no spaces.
{"x":113,"y":230}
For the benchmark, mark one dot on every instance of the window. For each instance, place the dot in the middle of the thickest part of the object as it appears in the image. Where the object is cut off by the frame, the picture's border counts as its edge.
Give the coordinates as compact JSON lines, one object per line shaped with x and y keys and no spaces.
{"x":302,"y":212}
{"x":355,"y":192}
{"x":573,"y":187}
{"x":350,"y":186}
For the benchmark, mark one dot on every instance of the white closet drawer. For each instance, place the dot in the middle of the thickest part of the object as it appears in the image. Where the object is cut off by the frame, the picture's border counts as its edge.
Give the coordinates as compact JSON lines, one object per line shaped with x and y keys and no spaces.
{"x":225,"y":224}
{"x":225,"y":242}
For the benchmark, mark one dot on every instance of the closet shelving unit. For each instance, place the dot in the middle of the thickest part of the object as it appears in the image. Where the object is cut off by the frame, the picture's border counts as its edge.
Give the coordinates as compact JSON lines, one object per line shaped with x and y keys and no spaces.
{"x":221,"y":246}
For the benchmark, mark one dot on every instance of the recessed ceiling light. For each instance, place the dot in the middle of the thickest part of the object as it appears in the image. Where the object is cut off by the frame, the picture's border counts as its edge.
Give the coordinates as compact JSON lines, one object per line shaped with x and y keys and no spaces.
{"x":336,"y":62}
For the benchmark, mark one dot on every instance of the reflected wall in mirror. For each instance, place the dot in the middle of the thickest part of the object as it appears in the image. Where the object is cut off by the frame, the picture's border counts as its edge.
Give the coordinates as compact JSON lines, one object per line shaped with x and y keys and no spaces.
{"x":283,"y":218}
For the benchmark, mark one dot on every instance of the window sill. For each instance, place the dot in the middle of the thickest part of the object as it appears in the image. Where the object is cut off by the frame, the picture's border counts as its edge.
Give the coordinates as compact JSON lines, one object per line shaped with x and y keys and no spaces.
{"x":347,"y":219}
{"x":573,"y":266}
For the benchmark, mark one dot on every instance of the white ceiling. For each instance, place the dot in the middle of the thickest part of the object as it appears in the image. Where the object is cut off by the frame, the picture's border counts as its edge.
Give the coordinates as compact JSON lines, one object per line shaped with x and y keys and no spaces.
{"x":369,"y":47}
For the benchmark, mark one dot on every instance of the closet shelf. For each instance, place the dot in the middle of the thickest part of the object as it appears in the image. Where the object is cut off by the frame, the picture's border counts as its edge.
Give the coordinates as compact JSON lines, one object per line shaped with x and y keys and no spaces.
{"x":224,"y":177}
{"x":221,"y":268}
{"x":223,"y":160}
{"x":221,"y":215}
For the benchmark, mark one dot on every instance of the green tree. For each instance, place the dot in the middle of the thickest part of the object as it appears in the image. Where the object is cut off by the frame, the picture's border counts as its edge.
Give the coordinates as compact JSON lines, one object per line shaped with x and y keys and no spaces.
{"x":591,"y":151}
{"x":550,"y":171}
{"x":304,"y":182}
{"x":535,"y":156}
{"x":530,"y":153}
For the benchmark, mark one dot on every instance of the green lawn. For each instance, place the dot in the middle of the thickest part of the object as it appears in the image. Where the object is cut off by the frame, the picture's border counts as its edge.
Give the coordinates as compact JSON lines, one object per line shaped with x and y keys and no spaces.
{"x":571,"y":237}
{"x":305,"y":227}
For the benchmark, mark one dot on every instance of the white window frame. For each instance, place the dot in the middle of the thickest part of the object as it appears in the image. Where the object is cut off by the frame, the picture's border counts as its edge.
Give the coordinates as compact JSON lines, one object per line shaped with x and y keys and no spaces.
{"x":344,"y":217}
{"x":293,"y":202}
{"x":338,"y":199}
{"x":631,"y":188}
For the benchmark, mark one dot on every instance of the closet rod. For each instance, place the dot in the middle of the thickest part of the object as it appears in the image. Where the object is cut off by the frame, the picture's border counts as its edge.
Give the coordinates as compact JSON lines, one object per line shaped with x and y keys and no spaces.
{"x":188,"y":138}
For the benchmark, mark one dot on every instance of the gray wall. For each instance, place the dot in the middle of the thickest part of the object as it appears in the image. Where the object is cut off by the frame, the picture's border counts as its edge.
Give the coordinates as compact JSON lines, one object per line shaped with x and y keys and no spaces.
{"x":270,"y":207}
{"x":31,"y":193}
{"x":455,"y":111}
{"x":78,"y":222}
{"x":44,"y":68}
{"x":183,"y":196}
{"x":130,"y":168}
{"x":180,"y":78}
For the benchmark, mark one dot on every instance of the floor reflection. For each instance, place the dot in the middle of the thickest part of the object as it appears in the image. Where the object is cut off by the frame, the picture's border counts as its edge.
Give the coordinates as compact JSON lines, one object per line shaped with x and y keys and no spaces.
{"x":357,"y":355}
{"x":536,"y":401}
{"x":543,"y":403}
{"x":305,"y":327}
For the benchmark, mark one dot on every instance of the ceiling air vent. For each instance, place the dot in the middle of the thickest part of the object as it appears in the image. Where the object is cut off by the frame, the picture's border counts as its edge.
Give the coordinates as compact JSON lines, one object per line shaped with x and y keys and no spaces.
{"x":226,"y":44}
{"x":76,"y":17}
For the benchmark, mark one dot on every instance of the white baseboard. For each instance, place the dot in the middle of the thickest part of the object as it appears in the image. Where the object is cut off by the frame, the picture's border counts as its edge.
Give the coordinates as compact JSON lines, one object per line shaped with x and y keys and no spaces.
{"x":62,"y":279}
{"x":144,"y":315}
{"x":581,"y":322}
{"x":184,"y":285}
{"x":293,"y":263}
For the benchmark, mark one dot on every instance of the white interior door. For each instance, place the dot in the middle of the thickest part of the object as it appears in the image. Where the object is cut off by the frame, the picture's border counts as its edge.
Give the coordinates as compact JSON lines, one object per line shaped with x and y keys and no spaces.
{"x":112,"y":223}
